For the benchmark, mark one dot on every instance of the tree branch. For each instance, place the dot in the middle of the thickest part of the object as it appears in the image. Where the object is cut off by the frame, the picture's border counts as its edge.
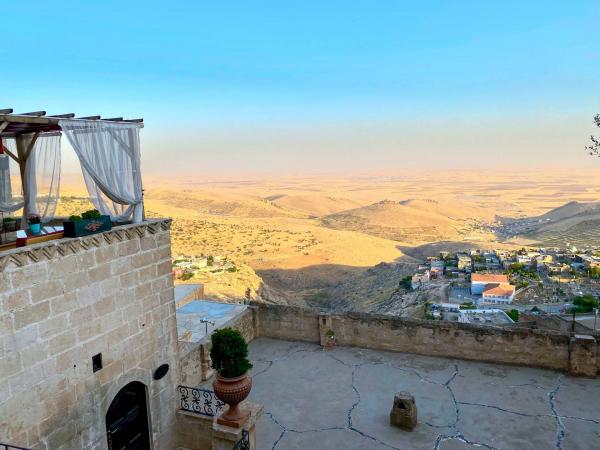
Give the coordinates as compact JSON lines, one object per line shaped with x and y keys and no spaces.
{"x":594,"y":149}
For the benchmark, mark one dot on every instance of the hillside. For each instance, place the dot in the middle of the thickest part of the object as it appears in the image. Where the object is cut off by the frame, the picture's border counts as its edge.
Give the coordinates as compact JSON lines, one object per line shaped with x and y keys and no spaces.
{"x":217,"y":203}
{"x":334,"y":242}
{"x":570,"y":209}
{"x":574,"y":223}
{"x":412,"y":221}
{"x":313,"y":205}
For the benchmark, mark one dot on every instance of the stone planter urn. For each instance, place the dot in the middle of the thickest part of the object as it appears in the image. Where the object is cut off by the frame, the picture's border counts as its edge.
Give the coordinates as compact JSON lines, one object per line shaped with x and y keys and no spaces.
{"x":233,"y":391}
{"x":330,"y":340}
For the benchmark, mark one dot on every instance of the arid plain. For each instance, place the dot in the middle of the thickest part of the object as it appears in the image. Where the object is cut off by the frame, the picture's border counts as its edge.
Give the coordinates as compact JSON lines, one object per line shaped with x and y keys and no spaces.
{"x":343,"y":242}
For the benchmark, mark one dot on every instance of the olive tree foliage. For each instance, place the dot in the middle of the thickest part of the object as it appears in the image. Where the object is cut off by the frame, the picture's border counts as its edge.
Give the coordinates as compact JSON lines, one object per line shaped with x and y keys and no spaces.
{"x":594,"y":148}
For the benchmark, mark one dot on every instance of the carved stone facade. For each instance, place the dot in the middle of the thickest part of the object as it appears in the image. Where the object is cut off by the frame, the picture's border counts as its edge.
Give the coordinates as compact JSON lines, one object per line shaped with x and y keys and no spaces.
{"x":64,"y":301}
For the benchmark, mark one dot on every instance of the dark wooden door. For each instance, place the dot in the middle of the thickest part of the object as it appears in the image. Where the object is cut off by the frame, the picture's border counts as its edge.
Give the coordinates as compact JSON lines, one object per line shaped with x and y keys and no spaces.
{"x":127,"y":419}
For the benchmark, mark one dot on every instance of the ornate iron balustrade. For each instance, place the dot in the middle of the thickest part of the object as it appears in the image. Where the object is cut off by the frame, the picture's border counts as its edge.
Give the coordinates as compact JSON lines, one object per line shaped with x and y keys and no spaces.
{"x":11,"y":447}
{"x":244,"y":442}
{"x":199,"y":401}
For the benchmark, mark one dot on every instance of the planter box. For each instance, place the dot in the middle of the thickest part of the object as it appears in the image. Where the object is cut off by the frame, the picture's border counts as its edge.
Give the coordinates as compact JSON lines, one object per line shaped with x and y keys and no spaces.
{"x":10,"y":226}
{"x":85,"y":227}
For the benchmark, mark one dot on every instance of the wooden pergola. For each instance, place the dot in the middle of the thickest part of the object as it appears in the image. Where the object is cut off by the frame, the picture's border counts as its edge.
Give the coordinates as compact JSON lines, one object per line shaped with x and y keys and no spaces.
{"x":25,"y":128}
{"x":15,"y":125}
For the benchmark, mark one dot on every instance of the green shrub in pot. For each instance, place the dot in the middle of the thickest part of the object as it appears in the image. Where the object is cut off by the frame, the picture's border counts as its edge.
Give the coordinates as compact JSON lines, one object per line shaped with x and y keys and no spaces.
{"x":229,"y":353}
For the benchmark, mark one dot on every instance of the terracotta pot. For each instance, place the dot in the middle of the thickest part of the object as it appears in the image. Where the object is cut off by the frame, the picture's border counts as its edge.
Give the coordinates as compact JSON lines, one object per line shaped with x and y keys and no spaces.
{"x":233,"y":391}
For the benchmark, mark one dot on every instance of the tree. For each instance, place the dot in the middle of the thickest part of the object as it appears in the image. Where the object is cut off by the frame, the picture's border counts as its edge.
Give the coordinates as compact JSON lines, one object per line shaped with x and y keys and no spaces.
{"x":585,"y":303}
{"x":406,"y":282}
{"x":513,"y":314}
{"x":594,"y":148}
{"x":186,"y":276}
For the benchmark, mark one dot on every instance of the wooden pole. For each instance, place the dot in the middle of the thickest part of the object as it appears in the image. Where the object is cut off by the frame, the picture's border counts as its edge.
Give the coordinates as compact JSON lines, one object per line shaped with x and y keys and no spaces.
{"x":24,"y":152}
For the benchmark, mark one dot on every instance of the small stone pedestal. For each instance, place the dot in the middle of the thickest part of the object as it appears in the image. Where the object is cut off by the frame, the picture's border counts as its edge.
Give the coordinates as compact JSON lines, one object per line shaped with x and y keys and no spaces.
{"x":583,"y":356}
{"x":225,"y":438}
{"x":404,"y":411}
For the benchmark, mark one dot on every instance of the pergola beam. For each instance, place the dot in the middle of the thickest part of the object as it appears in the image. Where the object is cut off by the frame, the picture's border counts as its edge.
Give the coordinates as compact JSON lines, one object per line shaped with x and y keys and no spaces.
{"x":24,"y":118}
{"x":37,"y":122}
{"x":34,"y":113}
{"x":63,"y":116}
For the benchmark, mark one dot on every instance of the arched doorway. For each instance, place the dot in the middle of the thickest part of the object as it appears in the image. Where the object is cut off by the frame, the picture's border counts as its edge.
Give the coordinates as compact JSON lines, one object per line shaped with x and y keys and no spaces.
{"x":127,"y":419}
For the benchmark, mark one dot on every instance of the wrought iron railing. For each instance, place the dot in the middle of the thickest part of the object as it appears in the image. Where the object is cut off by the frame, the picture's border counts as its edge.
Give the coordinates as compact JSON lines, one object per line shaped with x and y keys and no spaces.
{"x":199,"y":401}
{"x":11,"y":447}
{"x":244,"y":442}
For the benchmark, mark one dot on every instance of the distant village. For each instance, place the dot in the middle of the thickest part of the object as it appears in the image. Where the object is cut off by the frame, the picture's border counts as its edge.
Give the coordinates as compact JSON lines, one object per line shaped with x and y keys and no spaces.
{"x":494,"y":286}
{"x":187,"y":267}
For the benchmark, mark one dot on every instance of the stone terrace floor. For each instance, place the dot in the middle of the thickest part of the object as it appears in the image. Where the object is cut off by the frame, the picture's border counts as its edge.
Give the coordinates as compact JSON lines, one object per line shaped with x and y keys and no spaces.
{"x":341,"y":399}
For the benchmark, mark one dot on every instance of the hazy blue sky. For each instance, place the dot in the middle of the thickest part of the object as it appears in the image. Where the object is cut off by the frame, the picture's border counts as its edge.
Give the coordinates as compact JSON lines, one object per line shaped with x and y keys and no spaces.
{"x":316,"y":85}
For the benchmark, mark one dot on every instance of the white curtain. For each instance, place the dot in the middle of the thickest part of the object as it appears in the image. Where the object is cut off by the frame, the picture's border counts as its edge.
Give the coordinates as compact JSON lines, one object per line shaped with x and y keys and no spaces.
{"x":109,"y":154}
{"x":41,"y":176}
{"x":8,"y":203}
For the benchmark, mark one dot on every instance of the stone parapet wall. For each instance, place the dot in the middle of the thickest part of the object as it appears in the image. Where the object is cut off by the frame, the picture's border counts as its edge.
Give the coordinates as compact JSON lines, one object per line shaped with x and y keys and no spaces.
{"x":193,"y":431}
{"x":554,"y":322}
{"x":526,"y":347}
{"x":288,"y":323}
{"x":63,"y":301}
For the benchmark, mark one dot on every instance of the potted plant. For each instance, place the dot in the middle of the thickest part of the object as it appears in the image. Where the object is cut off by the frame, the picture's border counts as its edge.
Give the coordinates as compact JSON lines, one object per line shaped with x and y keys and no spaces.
{"x":35,"y":223}
{"x":330,"y":339}
{"x":232,"y":383}
{"x":9,"y":224}
{"x":89,"y":222}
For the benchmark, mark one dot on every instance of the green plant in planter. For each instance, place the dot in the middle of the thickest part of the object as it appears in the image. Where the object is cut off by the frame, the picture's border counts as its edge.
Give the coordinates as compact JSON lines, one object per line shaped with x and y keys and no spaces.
{"x":9,"y":224}
{"x":91,"y":214}
{"x":330,"y":333}
{"x":33,"y":219}
{"x":229,"y":353}
{"x":89,"y":222}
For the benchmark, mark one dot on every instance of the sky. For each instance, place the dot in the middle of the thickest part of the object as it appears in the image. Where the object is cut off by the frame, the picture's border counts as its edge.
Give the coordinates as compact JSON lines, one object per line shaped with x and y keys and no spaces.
{"x":316,"y":86}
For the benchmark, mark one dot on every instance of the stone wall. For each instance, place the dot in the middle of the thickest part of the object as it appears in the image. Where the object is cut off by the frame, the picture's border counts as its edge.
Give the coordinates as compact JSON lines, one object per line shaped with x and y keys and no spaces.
{"x":64,"y":301}
{"x":553,"y":322}
{"x":193,"y":431}
{"x":288,"y":322}
{"x":200,"y":432}
{"x":526,"y":347}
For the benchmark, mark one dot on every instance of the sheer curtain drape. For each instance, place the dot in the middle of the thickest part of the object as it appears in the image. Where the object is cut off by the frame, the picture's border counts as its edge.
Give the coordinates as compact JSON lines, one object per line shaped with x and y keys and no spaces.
{"x":40,"y":178}
{"x":8,"y":202}
{"x":109,"y":154}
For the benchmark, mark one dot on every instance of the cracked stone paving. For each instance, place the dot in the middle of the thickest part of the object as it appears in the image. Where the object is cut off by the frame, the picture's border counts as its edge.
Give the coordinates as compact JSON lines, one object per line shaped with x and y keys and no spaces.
{"x":341,"y":398}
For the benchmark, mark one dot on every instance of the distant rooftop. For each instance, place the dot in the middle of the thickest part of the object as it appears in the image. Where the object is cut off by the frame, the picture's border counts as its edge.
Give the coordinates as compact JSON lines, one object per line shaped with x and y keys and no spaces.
{"x":502,"y":289}
{"x":182,"y":291}
{"x":489,"y":278}
{"x":198,"y":317}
